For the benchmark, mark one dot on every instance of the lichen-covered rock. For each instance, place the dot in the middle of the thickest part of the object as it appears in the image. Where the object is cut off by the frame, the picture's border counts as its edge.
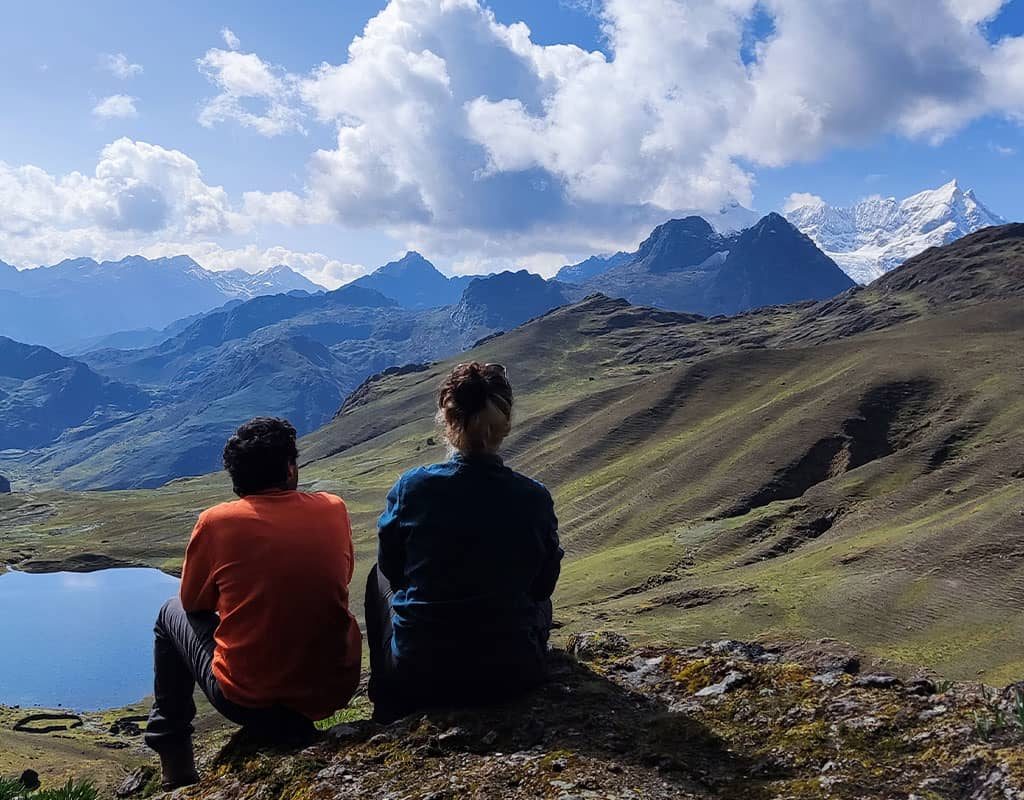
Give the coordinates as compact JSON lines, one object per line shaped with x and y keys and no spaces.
{"x":136,"y":783}
{"x":594,"y":645}
{"x":728,"y":683}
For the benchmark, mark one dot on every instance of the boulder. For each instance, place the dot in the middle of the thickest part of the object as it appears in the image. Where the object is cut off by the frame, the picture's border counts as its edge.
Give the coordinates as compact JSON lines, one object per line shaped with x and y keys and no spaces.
{"x":596,"y":645}
{"x":135,"y":783}
{"x":5,"y":485}
{"x":730,"y":682}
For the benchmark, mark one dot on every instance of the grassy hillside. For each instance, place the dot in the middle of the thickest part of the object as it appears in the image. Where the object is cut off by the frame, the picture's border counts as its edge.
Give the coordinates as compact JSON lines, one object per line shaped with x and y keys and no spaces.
{"x":849,"y":468}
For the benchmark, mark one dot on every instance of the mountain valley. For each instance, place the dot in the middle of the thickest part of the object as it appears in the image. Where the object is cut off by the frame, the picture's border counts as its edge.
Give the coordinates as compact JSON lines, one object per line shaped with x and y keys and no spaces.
{"x":765,"y":471}
{"x":813,"y":506}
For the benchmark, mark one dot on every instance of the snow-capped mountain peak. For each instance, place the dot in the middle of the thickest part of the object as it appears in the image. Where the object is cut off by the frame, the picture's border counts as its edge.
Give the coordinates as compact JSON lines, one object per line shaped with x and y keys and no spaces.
{"x":240,"y":284}
{"x":732,"y":217}
{"x":878,"y":233}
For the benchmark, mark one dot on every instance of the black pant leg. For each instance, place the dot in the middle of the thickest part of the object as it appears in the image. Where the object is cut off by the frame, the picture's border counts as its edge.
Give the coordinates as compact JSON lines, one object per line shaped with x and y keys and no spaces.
{"x":182,"y":655}
{"x":379,"y":633}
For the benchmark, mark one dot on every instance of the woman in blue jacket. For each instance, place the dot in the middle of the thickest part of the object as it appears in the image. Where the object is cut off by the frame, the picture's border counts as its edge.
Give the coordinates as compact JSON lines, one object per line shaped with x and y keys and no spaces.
{"x":458,"y":607}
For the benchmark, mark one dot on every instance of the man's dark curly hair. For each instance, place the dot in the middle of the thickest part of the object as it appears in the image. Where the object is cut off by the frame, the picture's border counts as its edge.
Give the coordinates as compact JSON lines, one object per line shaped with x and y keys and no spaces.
{"x":258,"y":455}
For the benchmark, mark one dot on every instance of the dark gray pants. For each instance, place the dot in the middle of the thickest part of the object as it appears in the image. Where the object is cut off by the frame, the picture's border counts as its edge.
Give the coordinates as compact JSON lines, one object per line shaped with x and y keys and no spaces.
{"x":379,"y":632}
{"x":182,"y":657}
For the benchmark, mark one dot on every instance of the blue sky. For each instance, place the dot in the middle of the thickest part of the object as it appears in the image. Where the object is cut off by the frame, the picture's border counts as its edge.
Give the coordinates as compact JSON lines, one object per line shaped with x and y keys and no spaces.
{"x":521,"y":164}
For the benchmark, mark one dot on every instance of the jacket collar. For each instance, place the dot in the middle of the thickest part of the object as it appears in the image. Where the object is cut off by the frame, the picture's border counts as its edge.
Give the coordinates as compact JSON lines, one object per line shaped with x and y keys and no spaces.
{"x":478,"y":458}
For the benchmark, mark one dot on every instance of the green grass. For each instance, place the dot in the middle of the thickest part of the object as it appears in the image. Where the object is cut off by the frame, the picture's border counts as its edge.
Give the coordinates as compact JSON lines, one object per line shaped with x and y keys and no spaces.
{"x":11,"y":789}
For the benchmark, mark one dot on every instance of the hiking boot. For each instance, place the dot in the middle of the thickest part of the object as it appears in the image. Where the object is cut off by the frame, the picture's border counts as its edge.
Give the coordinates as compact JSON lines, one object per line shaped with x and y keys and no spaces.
{"x":178,"y":767}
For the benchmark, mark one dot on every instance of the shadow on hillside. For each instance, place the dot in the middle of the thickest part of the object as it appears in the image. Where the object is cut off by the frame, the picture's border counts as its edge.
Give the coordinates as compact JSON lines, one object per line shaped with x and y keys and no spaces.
{"x":578,"y":713}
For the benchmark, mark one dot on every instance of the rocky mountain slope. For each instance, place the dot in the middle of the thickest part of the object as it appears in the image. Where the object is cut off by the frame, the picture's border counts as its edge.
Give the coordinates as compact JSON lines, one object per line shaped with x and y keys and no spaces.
{"x":413,"y":282}
{"x":685,"y":265}
{"x":503,"y":301}
{"x":80,"y":299}
{"x":43,"y":395}
{"x":592,"y":267}
{"x":877,"y":234}
{"x":720,"y":720}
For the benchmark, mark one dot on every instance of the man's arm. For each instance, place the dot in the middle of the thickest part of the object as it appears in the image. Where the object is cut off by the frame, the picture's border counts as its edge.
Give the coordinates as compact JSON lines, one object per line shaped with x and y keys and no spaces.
{"x":349,"y":547}
{"x":545,"y":582}
{"x":198,"y":588}
{"x":391,"y":540}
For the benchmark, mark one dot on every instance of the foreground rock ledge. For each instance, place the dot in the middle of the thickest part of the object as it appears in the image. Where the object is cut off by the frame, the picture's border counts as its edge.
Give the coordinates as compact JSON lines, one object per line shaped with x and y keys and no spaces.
{"x":727,"y":719}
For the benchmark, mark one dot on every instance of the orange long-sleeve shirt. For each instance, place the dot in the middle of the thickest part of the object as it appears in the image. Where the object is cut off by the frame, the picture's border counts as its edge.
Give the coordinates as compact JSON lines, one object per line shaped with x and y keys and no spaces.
{"x":276,"y":568}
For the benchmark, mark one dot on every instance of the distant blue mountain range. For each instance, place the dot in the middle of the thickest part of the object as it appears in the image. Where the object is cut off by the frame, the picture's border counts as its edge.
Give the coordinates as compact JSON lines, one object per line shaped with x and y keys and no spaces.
{"x":79,"y":299}
{"x":156,"y":399}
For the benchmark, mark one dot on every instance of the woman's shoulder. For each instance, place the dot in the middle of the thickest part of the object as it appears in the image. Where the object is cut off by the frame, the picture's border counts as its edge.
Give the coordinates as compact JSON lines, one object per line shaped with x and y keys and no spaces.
{"x":530,"y":486}
{"x":426,"y":474}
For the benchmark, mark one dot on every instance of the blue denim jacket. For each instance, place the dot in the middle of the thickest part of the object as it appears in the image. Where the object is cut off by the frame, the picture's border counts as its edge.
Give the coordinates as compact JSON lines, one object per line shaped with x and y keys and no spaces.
{"x":471,"y":549}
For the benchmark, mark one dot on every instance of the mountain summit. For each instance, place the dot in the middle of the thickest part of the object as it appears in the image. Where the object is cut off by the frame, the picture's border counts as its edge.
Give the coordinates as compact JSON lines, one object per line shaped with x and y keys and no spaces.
{"x":415,"y":283}
{"x":772,"y":263}
{"x":879,"y":233}
{"x":686,"y":265}
{"x":506,"y":300}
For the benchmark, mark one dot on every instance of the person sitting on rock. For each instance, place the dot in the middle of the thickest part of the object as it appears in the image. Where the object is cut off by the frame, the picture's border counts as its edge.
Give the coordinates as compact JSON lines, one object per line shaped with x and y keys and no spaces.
{"x":458,"y":606}
{"x":262,"y":622}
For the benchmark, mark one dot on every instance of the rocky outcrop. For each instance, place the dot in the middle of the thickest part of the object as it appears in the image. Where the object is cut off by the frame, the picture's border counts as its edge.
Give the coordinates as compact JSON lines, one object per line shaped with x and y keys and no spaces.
{"x":364,"y":393}
{"x":5,"y":485}
{"x":725,"y":719}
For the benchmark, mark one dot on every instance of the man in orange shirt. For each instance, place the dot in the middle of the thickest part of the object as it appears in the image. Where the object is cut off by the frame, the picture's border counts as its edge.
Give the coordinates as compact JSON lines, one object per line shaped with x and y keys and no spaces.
{"x":262,"y":623}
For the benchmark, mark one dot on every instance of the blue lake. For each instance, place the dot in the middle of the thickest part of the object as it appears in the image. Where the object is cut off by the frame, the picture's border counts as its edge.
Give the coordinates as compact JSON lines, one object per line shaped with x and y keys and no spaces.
{"x":79,"y":640}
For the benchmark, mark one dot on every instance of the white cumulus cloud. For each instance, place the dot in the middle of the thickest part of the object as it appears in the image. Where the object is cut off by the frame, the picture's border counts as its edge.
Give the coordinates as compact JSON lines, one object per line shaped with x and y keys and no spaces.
{"x":253,"y":93}
{"x":460,"y":132}
{"x":117,"y":106}
{"x":467,"y":139}
{"x":138,"y":192}
{"x":800,"y":199}
{"x":118,"y":65}
{"x":146,"y":199}
{"x":230,"y":39}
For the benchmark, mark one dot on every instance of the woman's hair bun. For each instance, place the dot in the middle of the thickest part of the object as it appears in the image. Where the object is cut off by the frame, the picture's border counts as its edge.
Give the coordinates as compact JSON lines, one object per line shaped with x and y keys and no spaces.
{"x":471,"y":392}
{"x":475,"y":406}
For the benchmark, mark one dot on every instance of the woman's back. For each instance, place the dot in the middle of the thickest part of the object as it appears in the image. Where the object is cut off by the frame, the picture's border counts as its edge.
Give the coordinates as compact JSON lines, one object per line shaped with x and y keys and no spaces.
{"x":471,"y":549}
{"x":458,"y":608}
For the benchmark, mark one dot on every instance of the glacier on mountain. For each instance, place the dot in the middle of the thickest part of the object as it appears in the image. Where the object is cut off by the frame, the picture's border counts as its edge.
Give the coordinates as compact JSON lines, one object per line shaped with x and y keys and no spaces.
{"x":879,"y":233}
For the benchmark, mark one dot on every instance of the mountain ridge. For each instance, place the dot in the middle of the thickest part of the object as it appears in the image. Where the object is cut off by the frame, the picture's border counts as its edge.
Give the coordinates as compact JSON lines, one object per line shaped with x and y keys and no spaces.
{"x":415,"y":283}
{"x":44,"y":394}
{"x":292,"y":355}
{"x":299,"y":355}
{"x":686,"y":265}
{"x":81,"y":299}
{"x":879,"y":233}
